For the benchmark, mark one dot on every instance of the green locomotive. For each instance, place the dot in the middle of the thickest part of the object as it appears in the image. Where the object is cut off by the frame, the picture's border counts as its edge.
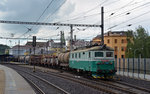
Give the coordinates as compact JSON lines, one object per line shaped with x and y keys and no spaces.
{"x":97,"y":60}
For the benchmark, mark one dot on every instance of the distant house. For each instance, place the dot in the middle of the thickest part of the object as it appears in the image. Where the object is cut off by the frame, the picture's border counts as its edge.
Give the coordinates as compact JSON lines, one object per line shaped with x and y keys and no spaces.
{"x":18,"y":50}
{"x":41,"y":48}
{"x":57,"y":47}
{"x":96,"y":40}
{"x":80,"y":43}
{"x":49,"y":47}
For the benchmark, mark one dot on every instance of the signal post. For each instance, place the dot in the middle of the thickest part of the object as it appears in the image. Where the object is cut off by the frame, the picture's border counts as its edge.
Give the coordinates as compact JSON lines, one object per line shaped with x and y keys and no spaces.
{"x":34,"y":45}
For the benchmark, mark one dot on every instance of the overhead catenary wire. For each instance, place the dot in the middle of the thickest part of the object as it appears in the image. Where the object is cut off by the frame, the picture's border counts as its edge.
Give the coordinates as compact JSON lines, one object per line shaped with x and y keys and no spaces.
{"x":39,"y":17}
{"x":132,"y":24}
{"x":128,"y":11}
{"x":83,"y":13}
{"x":53,"y":12}
{"x":122,"y":7}
{"x":82,"y":17}
{"x":130,"y":19}
{"x":88,"y":11}
{"x":86,"y":16}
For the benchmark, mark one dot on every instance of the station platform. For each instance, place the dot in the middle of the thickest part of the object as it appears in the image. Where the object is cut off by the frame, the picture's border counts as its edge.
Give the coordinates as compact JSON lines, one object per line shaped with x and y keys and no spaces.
{"x":12,"y":83}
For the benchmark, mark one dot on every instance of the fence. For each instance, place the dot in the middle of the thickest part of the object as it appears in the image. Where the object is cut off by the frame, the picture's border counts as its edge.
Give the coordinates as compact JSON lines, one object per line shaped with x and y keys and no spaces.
{"x":133,"y":66}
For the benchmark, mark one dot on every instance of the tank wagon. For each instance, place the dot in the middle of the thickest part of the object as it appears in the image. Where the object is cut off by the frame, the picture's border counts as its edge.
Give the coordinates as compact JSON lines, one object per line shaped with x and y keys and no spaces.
{"x":98,"y":61}
{"x":63,"y":59}
{"x":36,"y":59}
{"x":43,"y":60}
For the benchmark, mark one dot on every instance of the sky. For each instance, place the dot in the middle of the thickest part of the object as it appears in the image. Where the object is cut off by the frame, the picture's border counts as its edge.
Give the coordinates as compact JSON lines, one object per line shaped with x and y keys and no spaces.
{"x":118,"y":16}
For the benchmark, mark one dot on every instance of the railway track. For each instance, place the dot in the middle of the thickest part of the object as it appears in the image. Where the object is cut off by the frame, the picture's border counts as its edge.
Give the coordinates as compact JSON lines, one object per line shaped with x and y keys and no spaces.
{"x":133,"y":86}
{"x":120,"y":86}
{"x":40,"y":91}
{"x":107,"y":87}
{"x":37,"y":88}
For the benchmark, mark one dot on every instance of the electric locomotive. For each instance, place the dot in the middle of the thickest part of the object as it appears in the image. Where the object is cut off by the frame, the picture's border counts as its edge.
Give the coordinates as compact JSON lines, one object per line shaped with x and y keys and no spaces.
{"x":98,"y":61}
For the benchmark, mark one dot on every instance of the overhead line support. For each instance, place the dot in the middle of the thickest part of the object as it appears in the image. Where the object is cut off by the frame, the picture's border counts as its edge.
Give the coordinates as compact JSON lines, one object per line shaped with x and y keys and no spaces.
{"x":53,"y":24}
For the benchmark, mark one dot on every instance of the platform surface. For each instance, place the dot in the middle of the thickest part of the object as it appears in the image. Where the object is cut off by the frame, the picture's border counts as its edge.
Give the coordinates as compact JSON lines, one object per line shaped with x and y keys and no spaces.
{"x":12,"y":83}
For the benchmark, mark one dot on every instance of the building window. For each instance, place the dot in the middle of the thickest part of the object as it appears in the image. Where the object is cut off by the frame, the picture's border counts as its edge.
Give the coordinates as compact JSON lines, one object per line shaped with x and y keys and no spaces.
{"x":115,"y":56}
{"x":122,"y":41}
{"x":115,"y":48}
{"x":72,"y":55}
{"x":122,"y":48}
{"x":115,"y":40}
{"x":108,"y":41}
{"x":122,"y":56}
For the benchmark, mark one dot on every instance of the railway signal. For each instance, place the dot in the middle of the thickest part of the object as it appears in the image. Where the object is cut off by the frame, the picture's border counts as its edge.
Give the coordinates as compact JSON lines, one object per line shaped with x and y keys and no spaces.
{"x":34,"y":41}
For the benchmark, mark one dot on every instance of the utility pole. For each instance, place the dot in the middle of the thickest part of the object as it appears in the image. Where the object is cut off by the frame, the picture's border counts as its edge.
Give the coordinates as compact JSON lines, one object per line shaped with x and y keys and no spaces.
{"x":18,"y":49}
{"x":71,"y":37}
{"x":61,"y":40}
{"x":102,"y":24}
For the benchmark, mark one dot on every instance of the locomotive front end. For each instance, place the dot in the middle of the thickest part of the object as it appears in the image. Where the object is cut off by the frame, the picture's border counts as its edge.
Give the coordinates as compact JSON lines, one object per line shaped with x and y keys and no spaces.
{"x":104,"y":62}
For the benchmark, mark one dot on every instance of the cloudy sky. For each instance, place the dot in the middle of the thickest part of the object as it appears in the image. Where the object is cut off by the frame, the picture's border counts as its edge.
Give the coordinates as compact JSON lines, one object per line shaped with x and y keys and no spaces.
{"x":120,"y":15}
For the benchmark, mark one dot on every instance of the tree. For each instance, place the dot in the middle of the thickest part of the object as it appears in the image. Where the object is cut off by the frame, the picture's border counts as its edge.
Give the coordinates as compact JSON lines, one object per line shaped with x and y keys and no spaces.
{"x":138,"y":43}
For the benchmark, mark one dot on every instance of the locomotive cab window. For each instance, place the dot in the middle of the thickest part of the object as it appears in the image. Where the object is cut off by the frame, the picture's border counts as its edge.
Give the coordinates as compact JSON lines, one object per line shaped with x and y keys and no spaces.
{"x":109,"y":54}
{"x":75,"y":55}
{"x":79,"y":55}
{"x":99,"y":54}
{"x":72,"y":55}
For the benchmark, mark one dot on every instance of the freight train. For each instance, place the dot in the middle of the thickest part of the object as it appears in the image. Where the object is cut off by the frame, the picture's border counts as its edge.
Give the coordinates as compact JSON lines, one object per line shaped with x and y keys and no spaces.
{"x":96,"y":61}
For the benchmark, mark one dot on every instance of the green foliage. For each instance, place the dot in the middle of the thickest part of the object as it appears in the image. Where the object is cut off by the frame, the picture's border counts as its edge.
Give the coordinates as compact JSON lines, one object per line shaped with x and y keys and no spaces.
{"x":2,"y":48}
{"x":138,"y":43}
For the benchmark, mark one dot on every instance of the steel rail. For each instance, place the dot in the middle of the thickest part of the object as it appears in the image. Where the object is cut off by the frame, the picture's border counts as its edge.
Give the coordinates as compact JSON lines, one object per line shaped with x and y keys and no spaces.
{"x":97,"y":87}
{"x":133,"y":86}
{"x":103,"y":83}
{"x":84,"y":81}
{"x":34,"y":85}
{"x":49,"y":83}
